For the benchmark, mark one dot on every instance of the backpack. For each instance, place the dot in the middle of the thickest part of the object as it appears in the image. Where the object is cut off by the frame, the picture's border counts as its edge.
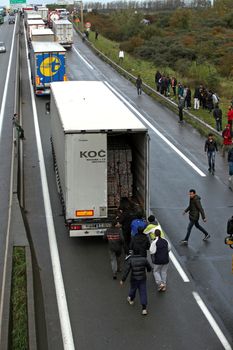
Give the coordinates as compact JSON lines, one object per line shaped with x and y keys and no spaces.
{"x":230,"y":226}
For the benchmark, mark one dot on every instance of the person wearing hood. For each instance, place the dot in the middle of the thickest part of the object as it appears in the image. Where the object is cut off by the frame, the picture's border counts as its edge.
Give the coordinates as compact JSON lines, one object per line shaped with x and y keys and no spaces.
{"x":194,"y":209}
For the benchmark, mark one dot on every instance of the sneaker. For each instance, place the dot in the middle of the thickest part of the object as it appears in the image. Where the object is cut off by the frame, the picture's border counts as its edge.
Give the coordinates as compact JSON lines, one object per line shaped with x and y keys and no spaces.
{"x":160,"y":287}
{"x":229,"y":178}
{"x":114,"y":277}
{"x":144,"y":312}
{"x":131,"y":302}
{"x":183,"y":242}
{"x":206,"y":237}
{"x":163,"y":288}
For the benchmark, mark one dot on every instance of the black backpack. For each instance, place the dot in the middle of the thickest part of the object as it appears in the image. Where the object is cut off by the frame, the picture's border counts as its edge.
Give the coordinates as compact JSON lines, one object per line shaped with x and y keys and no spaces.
{"x":230,"y":226}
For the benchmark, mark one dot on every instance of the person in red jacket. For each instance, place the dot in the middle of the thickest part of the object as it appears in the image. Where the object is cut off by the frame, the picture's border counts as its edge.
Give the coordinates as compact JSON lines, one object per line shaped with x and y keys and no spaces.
{"x":230,"y":117}
{"x":227,"y":139}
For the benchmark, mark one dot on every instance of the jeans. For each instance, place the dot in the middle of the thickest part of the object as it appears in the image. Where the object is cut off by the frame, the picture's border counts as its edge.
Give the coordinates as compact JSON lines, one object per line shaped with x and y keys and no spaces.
{"x":198,"y":226}
{"x":141,"y":286}
{"x":211,"y":159}
{"x":115,"y":261}
{"x":139,"y":90}
{"x":219,"y":124}
{"x":160,"y":274}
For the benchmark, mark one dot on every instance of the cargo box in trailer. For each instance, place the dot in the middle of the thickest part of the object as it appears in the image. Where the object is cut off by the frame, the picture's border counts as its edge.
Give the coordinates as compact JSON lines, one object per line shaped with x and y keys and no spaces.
{"x":34,"y":24}
{"x":100,"y":151}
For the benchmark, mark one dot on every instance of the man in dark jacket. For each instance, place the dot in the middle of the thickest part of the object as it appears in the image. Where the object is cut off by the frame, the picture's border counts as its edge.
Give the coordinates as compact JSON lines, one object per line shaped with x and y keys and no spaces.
{"x":210,"y":148}
{"x":139,"y":85}
{"x":138,"y":265}
{"x":140,"y":242}
{"x":159,"y":251}
{"x":115,"y":243}
{"x":194,"y":209}
{"x":217,"y":113}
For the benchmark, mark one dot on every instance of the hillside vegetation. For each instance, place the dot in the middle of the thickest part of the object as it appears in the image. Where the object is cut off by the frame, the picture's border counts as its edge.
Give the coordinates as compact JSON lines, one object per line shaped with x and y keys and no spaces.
{"x":195,"y":45}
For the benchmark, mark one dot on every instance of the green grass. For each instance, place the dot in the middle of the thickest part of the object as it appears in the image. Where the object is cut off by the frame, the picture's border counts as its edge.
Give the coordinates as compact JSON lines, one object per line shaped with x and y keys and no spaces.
{"x":147,"y":71}
{"x":19,"y":321}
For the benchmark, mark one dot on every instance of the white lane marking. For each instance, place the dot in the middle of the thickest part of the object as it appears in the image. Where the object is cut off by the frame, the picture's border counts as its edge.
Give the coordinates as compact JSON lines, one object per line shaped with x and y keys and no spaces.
{"x":170,"y":144}
{"x":66,"y":330}
{"x":212,"y":322}
{"x":82,"y":58}
{"x":7,"y":81}
{"x":11,"y":185}
{"x":178,"y":267}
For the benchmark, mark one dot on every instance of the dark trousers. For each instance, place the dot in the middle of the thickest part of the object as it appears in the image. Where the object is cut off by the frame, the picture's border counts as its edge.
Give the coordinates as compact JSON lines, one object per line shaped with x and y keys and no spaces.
{"x":180,"y":114}
{"x":198,"y":226}
{"x":141,"y":286}
{"x":139,"y":90}
{"x":219,"y":124}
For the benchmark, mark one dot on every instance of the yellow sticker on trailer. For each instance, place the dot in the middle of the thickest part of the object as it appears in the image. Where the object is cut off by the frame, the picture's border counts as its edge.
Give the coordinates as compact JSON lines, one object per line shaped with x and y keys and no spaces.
{"x":79,"y":213}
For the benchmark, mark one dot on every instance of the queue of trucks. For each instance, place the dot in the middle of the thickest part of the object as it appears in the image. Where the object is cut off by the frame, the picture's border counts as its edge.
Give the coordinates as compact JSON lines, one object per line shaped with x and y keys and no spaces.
{"x":47,"y":51}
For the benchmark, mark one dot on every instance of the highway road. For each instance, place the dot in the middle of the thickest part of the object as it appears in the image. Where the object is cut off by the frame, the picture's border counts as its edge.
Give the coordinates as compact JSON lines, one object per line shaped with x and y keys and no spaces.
{"x":99,"y":314}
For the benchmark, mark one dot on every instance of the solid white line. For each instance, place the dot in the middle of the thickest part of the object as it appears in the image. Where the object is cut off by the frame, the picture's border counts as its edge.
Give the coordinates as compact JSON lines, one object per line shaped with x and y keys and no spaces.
{"x":7,"y":81}
{"x":82,"y":58}
{"x":66,"y":330}
{"x":170,"y":144}
{"x":212,"y":322}
{"x":178,"y":267}
{"x":11,"y":187}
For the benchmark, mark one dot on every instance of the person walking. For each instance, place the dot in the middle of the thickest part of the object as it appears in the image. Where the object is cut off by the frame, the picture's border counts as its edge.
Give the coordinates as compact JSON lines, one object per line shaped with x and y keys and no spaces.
{"x":217,"y":113}
{"x":230,"y":163}
{"x":159,"y":251}
{"x":211,"y":148}
{"x":139,"y":85}
{"x":194,"y":209}
{"x":227,"y":139}
{"x":115,"y":243}
{"x":138,"y":265}
{"x":125,"y":217}
{"x":96,"y":35}
{"x":151,"y":227}
{"x":180,"y":108}
{"x":140,"y":242}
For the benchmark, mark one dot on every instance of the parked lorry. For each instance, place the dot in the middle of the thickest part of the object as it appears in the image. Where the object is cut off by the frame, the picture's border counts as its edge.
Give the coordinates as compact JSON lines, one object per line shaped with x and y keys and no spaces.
{"x":43,"y":11}
{"x":48,"y":64}
{"x":42,"y":34}
{"x":63,"y":31}
{"x":100,"y":151}
{"x":34,"y":24}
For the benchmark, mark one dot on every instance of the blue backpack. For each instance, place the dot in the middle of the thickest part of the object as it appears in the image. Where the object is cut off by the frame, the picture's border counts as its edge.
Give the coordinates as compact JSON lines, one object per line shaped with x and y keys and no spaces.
{"x":136,"y":224}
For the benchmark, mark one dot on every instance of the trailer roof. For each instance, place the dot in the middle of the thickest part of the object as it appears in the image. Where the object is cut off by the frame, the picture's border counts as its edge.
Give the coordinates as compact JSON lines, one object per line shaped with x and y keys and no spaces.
{"x":42,"y":31}
{"x":32,"y":22}
{"x":91,"y":106}
{"x":31,"y":16}
{"x":47,"y":46}
{"x":62,"y":21}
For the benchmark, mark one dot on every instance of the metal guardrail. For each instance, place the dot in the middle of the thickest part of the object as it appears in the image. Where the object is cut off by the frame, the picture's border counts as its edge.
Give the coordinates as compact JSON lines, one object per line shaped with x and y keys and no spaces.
{"x":131,"y":77}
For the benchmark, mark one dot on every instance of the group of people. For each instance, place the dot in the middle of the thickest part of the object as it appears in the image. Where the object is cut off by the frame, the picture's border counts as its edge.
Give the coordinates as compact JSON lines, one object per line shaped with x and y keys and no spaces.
{"x":136,"y":236}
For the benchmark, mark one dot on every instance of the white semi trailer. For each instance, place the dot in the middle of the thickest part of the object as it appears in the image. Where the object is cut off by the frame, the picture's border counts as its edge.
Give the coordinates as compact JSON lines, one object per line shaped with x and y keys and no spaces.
{"x":100,"y":151}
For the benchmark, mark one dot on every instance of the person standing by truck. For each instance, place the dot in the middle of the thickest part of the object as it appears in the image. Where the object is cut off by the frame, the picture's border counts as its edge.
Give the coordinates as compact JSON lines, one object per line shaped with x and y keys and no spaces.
{"x":115,"y":243}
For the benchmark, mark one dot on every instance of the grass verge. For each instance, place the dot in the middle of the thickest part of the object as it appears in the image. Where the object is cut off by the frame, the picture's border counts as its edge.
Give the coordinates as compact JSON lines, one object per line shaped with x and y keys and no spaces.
{"x":19,"y":321}
{"x":147,"y":71}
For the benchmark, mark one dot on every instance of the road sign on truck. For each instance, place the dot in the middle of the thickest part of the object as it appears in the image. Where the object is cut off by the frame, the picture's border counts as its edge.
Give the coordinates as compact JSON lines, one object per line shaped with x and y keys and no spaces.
{"x":100,"y":151}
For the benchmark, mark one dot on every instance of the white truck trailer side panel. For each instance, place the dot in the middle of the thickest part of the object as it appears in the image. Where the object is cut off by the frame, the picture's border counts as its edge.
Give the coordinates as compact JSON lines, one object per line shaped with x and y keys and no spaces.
{"x":86,"y":175}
